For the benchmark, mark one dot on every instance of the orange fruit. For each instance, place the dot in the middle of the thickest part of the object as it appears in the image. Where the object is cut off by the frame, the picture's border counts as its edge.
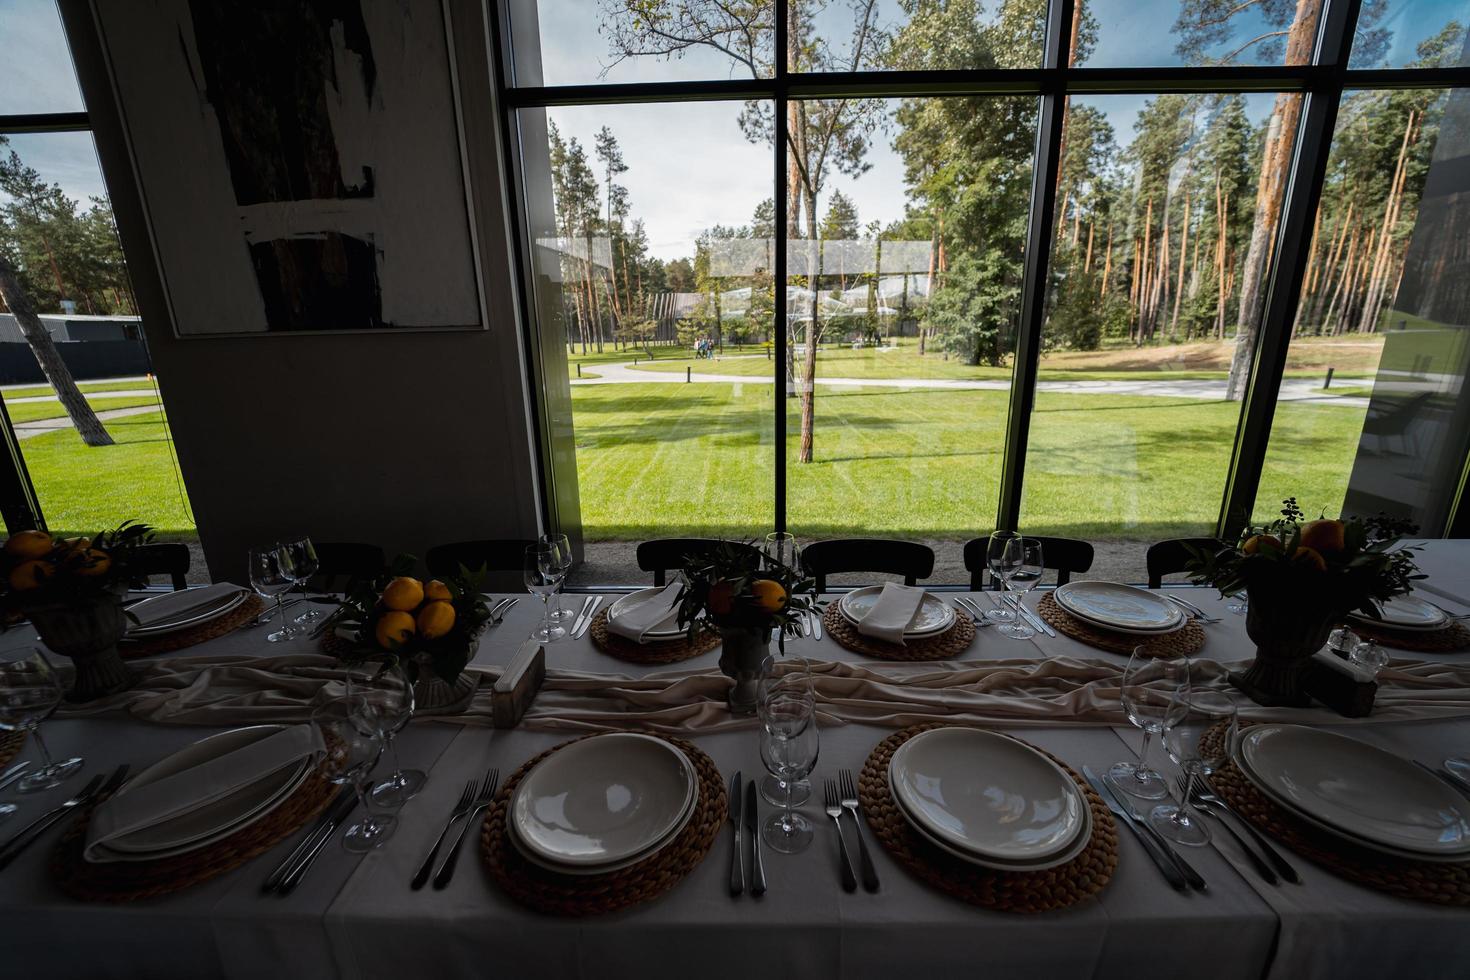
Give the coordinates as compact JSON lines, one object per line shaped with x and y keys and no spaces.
{"x":29,"y":575}
{"x":1310,"y":556}
{"x":403,"y":594}
{"x":1324,"y":536}
{"x":436,"y":591}
{"x":28,"y":544}
{"x":395,"y":628}
{"x":721,"y":599}
{"x":435,"y":619}
{"x":92,"y":562}
{"x":768,"y":594}
{"x":1254,"y":542}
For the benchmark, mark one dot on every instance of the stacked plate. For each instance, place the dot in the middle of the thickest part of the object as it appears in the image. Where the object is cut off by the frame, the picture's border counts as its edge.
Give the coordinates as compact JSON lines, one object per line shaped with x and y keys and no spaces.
{"x":1407,"y":613}
{"x":933,"y":617}
{"x":211,"y":822}
{"x":1120,"y":608}
{"x":186,"y":609}
{"x":989,"y":800}
{"x":1357,"y":792}
{"x":602,"y":804}
{"x":663,"y":631}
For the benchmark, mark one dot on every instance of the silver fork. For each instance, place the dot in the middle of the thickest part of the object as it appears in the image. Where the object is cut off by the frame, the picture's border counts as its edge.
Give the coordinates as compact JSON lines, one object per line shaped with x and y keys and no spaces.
{"x":498,"y":613}
{"x":482,"y":802}
{"x":849,"y":803}
{"x":1262,"y":868}
{"x":462,"y":808}
{"x":1194,"y":612}
{"x":1207,"y":798}
{"x":834,"y":810}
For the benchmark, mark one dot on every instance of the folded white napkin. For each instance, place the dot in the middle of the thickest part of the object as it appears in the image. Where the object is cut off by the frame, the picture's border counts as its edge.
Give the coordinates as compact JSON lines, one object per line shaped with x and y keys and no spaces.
{"x":177,"y":605}
{"x":635,"y":622}
{"x":895,"y":609}
{"x":175,"y":795}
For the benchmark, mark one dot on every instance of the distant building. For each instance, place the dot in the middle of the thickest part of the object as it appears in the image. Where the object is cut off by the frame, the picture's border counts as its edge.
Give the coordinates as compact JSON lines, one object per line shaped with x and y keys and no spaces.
{"x":73,"y":327}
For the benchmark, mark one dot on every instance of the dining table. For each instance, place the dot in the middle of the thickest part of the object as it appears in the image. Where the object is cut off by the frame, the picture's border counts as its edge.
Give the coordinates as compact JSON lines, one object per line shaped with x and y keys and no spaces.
{"x":355,"y":915}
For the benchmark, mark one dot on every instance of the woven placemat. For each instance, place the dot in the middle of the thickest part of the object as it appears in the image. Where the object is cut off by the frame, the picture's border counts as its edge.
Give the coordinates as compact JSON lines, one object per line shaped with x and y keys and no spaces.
{"x":951,"y":643}
{"x":657,"y":652}
{"x":1004,"y":891}
{"x":1453,"y":637}
{"x":1181,"y":643}
{"x":10,"y":746}
{"x":169,"y":642}
{"x":128,"y":881}
{"x":1422,"y":881}
{"x":579,"y":895}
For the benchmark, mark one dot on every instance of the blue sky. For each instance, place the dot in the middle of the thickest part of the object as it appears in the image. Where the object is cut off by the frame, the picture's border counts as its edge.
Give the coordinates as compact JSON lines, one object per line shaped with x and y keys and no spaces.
{"x":690,"y":166}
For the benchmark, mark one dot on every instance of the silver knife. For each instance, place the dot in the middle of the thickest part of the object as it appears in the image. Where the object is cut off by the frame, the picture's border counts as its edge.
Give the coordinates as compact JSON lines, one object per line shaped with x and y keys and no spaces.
{"x":1035,"y":621}
{"x":322,"y":826}
{"x":581,"y":616}
{"x":1193,"y":877}
{"x":1170,"y":872}
{"x":817,"y":623}
{"x":737,"y":862}
{"x":753,"y":827}
{"x":340,"y":811}
{"x":13,"y":773}
{"x":585,"y":623}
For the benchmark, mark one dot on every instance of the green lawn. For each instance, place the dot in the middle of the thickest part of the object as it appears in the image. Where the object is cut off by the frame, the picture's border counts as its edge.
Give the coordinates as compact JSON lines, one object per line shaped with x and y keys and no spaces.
{"x":86,"y":386}
{"x":31,"y":411}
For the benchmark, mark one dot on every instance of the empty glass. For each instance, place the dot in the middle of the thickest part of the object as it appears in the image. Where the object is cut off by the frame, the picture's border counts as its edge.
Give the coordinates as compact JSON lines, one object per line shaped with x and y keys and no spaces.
{"x":782,"y":549}
{"x":562,"y":550}
{"x":304,"y":565}
{"x":353,"y":749}
{"x":29,"y":692}
{"x":542,"y":575}
{"x":783,"y":677}
{"x":1021,"y":568}
{"x":1199,"y":741}
{"x":386,"y":689}
{"x":789,"y":749}
{"x":272,"y":575}
{"x":995,"y":551}
{"x":1153,"y":691}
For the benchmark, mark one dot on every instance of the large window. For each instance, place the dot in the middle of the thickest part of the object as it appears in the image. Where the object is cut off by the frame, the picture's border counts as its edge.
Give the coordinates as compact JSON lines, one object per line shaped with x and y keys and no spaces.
{"x":919,"y":269}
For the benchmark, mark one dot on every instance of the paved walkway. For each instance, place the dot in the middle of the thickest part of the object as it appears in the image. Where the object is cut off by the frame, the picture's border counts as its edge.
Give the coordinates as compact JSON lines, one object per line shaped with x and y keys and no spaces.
{"x":39,"y":427}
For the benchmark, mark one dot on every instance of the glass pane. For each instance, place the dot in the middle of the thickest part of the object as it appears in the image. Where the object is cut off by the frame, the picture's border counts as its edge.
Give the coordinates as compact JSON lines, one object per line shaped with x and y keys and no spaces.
{"x":38,"y":75}
{"x":563,"y":42}
{"x":56,"y":229}
{"x":904,"y":298}
{"x":1372,"y":413}
{"x":651,"y":227}
{"x":1167,"y":211}
{"x":1125,"y":33}
{"x":915,"y":35}
{"x":1410,"y":34}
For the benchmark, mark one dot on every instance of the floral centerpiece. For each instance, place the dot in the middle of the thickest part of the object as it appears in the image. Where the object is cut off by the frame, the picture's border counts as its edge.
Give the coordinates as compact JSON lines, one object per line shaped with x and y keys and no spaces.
{"x":745,"y":595}
{"x":1301,"y":578}
{"x":71,"y":590}
{"x":431,"y":628}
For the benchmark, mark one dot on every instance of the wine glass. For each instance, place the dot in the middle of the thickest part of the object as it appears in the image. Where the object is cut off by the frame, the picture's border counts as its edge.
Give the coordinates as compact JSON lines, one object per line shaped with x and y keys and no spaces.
{"x":386,"y":689}
{"x":353,"y":747}
{"x":1021,"y":566}
{"x":1151,"y":692}
{"x":304,"y":565}
{"x":1200,"y":743}
{"x":995,"y":551}
{"x":788,"y":677}
{"x":29,"y":692}
{"x":782,"y":549}
{"x":562,"y":548}
{"x":271,"y":574}
{"x":789,"y":747}
{"x":542,"y":578}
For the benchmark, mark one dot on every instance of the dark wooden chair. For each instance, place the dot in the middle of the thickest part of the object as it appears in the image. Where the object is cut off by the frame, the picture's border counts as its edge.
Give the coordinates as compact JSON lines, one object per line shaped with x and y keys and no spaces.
{"x":495,"y":555}
{"x":163,"y":559}
{"x":1170,"y":556}
{"x":907,"y":558}
{"x":340,"y":564}
{"x":1065,"y":556}
{"x":658,"y":555}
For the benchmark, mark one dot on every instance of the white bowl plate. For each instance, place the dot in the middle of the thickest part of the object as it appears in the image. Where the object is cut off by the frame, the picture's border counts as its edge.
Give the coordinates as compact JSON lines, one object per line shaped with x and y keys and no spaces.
{"x":1120,"y":607}
{"x":667,"y":629}
{"x":934,"y":616}
{"x":1406,"y":613}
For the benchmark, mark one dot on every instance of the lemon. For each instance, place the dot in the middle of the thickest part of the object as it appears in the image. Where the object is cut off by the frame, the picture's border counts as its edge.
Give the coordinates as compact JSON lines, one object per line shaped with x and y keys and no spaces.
{"x":29,"y":575}
{"x":28,"y":544}
{"x":395,"y":628}
{"x":768,"y":594}
{"x":403,"y":594}
{"x":93,"y":562}
{"x":436,"y":591}
{"x":435,"y":619}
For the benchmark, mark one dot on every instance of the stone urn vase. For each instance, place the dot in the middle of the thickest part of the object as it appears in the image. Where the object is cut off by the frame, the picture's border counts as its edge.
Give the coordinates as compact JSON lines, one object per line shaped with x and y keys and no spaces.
{"x":433,"y":695}
{"x":743,"y":649}
{"x":1288,"y":620}
{"x":86,"y":631}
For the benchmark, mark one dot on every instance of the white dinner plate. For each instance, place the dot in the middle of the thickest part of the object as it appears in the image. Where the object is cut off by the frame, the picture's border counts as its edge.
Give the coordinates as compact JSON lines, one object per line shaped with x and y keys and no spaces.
{"x":934,"y":616}
{"x":1407,"y":613}
{"x":600,"y":869}
{"x":1357,"y":790}
{"x":1119,"y":607}
{"x":194,"y":618}
{"x":987,"y":794}
{"x":666,"y":629}
{"x":213,"y":821}
{"x":603,"y":799}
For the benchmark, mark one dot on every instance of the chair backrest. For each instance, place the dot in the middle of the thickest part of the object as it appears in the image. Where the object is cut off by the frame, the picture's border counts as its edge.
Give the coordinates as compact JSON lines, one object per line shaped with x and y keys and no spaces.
{"x":1171,"y":555}
{"x":1065,"y":556}
{"x":495,"y":555}
{"x":341,"y":563}
{"x":907,"y":558}
{"x":170,"y":559}
{"x":658,"y":555}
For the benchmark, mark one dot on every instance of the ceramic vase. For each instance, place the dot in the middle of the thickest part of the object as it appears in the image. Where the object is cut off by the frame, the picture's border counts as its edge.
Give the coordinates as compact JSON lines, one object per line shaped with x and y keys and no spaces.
{"x":1288,"y":623}
{"x":433,"y":695}
{"x":86,"y":632}
{"x":743,"y":649}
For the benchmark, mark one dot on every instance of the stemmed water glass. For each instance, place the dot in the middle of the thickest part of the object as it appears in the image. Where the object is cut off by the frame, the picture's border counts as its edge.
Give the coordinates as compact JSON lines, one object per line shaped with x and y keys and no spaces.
{"x":304,"y":565}
{"x":789,"y":747}
{"x":272,"y":575}
{"x":386,"y":689}
{"x":542,"y":572}
{"x":995,"y":550}
{"x":353,"y":746}
{"x":29,"y":692}
{"x":1199,"y":741}
{"x":782,"y":549}
{"x":781,"y":678}
{"x":562,"y":549}
{"x":1154,"y":692}
{"x":1021,"y":568}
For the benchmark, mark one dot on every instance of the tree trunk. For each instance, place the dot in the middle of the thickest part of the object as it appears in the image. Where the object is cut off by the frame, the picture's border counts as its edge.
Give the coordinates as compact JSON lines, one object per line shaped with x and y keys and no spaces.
{"x":88,"y":426}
